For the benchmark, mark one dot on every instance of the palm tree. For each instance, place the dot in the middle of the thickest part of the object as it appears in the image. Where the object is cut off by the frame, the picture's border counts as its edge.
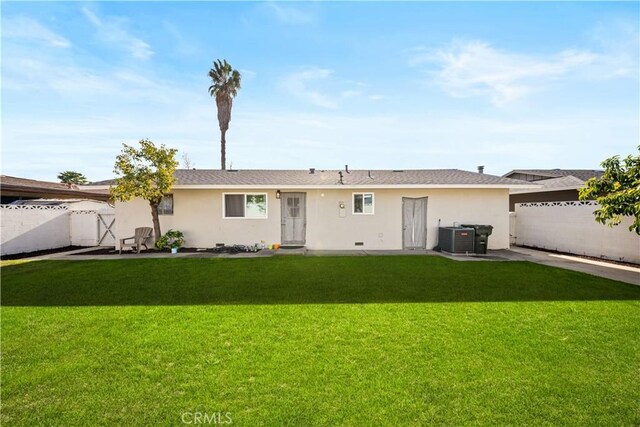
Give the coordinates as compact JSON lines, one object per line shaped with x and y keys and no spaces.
{"x":226,"y":83}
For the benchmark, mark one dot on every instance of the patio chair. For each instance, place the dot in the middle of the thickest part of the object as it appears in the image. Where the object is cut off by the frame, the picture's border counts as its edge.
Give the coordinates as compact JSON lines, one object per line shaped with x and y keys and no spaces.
{"x":140,"y":239}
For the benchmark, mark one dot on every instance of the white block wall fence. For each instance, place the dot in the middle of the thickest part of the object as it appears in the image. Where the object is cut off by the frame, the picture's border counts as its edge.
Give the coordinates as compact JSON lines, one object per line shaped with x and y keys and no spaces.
{"x":33,"y":228}
{"x":28,"y":228}
{"x":571,"y":227}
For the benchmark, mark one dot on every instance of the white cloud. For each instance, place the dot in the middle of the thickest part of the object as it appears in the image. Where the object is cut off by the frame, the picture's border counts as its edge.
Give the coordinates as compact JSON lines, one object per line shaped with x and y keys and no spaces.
{"x":476,"y":68}
{"x":620,"y":40}
{"x":289,"y":15}
{"x":33,"y":73}
{"x":247,"y":74}
{"x":350,"y":93}
{"x":298,"y":84}
{"x":27,"y":74}
{"x":320,"y":87}
{"x":112,"y":31}
{"x":183,"y":45}
{"x":24,"y":28}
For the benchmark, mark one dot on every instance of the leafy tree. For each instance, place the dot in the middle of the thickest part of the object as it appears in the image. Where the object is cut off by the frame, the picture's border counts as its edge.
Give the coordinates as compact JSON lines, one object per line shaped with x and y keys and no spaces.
{"x":71,"y":177}
{"x":226,"y":83}
{"x":145,"y":172}
{"x":617,"y":191}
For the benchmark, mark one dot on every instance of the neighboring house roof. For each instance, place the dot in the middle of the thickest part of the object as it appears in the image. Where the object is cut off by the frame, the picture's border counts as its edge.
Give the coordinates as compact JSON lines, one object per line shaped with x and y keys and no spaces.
{"x":52,"y":202}
{"x":554,"y":179}
{"x":215,"y":178}
{"x":583,"y":174}
{"x":11,"y":185}
{"x":552,"y":184}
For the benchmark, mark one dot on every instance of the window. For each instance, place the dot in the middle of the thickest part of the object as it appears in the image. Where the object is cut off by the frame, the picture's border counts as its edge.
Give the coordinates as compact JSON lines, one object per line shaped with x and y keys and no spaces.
{"x":245,"y":206}
{"x":166,"y":205}
{"x":363,"y":203}
{"x":293,"y":206}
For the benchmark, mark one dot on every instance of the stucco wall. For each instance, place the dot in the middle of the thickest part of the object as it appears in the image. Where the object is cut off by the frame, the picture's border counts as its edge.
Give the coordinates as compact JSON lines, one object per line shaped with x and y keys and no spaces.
{"x":571,"y":227}
{"x":198,"y":213}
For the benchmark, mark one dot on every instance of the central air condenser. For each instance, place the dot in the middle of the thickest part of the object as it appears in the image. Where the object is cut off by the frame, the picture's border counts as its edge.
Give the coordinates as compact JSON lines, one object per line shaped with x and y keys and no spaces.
{"x":456,"y":239}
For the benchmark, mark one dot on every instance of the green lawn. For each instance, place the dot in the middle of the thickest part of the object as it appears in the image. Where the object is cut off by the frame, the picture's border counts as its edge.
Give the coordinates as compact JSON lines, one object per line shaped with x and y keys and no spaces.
{"x":405,"y":340}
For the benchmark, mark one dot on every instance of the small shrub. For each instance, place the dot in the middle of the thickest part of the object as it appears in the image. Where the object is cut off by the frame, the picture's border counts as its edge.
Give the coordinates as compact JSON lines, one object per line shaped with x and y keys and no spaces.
{"x":171,"y":239}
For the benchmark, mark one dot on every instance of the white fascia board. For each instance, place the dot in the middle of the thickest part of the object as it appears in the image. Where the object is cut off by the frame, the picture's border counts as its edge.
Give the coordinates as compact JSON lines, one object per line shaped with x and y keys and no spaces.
{"x":350,"y":187}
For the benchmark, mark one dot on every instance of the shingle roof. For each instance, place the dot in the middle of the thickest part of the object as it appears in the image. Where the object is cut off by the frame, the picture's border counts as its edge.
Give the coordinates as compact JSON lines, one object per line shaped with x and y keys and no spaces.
{"x":32,"y":183}
{"x":257,"y":177}
{"x":583,"y":174}
{"x":553,"y":184}
{"x":32,"y":186}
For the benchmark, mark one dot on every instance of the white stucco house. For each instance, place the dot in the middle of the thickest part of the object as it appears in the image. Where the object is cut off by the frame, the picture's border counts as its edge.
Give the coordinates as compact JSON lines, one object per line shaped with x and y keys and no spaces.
{"x":325,"y":209}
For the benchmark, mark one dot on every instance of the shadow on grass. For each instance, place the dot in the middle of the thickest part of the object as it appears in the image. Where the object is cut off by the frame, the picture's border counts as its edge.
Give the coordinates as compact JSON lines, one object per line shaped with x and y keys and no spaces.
{"x":297,"y":280}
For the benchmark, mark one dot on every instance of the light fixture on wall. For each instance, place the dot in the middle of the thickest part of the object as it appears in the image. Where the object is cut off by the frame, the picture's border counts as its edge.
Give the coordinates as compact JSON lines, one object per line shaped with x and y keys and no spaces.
{"x":277,"y":194}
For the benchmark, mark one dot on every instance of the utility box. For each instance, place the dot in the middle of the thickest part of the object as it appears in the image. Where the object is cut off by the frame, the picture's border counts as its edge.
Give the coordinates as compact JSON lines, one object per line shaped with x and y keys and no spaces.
{"x":481,"y":240}
{"x":456,"y":240}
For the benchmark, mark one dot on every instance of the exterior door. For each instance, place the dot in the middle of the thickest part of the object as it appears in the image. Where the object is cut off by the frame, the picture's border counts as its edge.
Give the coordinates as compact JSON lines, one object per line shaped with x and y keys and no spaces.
{"x":294,"y":218}
{"x":414,"y":223}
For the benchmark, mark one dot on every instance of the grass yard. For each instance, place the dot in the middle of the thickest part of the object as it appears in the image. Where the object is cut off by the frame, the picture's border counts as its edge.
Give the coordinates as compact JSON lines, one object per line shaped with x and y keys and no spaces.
{"x":405,"y":340}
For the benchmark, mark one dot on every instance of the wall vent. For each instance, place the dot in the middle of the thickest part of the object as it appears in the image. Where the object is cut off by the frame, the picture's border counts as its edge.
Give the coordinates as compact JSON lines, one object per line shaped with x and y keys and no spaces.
{"x":359,"y":243}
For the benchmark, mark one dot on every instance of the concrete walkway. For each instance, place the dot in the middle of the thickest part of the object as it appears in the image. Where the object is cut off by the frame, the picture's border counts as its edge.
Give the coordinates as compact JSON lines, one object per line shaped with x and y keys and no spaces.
{"x":622,"y":273}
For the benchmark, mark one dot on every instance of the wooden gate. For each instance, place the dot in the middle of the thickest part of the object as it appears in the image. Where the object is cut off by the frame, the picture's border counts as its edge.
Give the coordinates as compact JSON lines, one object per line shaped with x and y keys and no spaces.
{"x":106,"y":235}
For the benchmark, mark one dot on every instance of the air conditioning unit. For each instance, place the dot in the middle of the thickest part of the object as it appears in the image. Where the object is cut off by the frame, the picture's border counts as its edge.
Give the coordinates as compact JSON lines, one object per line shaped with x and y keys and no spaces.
{"x":456,"y":240}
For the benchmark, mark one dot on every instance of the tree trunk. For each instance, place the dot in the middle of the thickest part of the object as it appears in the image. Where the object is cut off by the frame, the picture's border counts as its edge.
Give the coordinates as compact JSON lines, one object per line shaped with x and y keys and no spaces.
{"x":223,"y":150}
{"x":156,"y":222}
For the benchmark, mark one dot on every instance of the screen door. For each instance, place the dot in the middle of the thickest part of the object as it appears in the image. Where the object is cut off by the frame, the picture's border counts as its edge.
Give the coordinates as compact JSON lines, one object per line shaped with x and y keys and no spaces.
{"x":414,"y":223}
{"x":294,"y":218}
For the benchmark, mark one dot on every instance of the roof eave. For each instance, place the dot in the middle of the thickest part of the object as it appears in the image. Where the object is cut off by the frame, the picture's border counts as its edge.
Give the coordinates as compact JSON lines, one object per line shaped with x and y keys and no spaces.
{"x":348,"y":186}
{"x":8,"y":189}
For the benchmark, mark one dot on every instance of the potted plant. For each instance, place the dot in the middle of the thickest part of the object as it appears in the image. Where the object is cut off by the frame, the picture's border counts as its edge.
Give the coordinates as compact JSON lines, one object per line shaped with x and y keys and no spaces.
{"x":172,"y":239}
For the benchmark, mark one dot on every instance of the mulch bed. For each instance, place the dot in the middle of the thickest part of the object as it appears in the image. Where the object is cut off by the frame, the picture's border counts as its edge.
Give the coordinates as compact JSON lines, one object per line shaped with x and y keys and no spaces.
{"x":40,"y":253}
{"x":219,"y":250}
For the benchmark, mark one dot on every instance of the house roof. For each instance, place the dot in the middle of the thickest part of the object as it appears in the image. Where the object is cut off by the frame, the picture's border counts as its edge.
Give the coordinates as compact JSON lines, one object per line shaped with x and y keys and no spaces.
{"x":552,"y":184}
{"x":11,"y":185}
{"x":52,"y":202}
{"x":252,"y":178}
{"x":583,"y":174}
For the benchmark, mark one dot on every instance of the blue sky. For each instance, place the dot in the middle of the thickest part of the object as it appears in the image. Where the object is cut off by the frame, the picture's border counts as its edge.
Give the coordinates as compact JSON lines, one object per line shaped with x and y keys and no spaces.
{"x":372,"y":85}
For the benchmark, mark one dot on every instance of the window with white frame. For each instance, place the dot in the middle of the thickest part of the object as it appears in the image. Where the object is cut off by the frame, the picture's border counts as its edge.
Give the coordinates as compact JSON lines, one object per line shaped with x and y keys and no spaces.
{"x":363,"y":203}
{"x":245,"y":205}
{"x":166,"y":205}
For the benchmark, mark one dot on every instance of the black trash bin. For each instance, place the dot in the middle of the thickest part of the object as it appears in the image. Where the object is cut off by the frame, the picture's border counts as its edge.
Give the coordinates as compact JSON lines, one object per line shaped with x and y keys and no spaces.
{"x":482,"y":233}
